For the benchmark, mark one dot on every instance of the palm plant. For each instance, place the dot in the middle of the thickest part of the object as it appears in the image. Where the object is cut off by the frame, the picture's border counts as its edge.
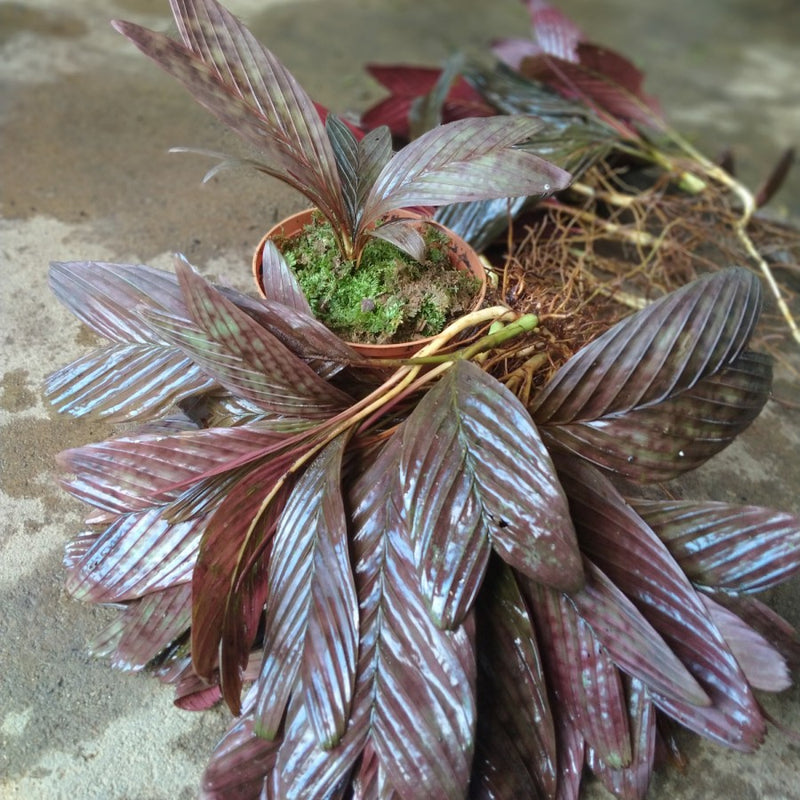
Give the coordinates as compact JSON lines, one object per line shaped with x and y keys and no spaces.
{"x":436,"y":578}
{"x":354,"y":180}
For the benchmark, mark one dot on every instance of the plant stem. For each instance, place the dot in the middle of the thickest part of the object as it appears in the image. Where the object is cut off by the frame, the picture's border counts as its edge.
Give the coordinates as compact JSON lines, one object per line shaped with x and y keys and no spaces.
{"x":346,"y":421}
{"x":745,"y":196}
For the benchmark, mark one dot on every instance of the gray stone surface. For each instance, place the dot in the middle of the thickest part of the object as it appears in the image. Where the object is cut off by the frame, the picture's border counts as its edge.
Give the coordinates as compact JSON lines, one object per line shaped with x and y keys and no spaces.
{"x":85,"y":123}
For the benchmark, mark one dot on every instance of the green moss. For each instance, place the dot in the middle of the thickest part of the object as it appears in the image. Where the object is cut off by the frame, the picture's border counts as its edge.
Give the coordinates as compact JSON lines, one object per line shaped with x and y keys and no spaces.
{"x":389,"y":297}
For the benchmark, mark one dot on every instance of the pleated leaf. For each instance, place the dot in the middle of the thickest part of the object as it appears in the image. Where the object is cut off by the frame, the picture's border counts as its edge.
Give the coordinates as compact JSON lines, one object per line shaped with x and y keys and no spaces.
{"x":240,"y":763}
{"x":762,"y":664}
{"x":583,"y":677}
{"x":516,"y":742}
{"x":727,"y":548}
{"x":140,"y":375}
{"x":106,"y":296}
{"x":359,"y":162}
{"x":774,"y":628}
{"x":237,"y":536}
{"x":133,"y":473}
{"x":139,"y":553}
{"x":633,"y":781}
{"x":123,"y":382}
{"x":413,"y":706}
{"x":305,"y":336}
{"x":476,"y":475}
{"x":465,"y":160}
{"x":244,"y":85}
{"x":278,"y":282}
{"x":615,"y":538}
{"x":421,"y":699}
{"x":244,"y":357}
{"x":659,"y":442}
{"x":632,"y":642}
{"x":146,"y":627}
{"x":657,"y":352}
{"x":312,"y":617}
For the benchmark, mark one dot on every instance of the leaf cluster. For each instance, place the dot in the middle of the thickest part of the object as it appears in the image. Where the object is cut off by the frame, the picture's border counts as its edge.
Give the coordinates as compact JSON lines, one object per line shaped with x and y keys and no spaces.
{"x":428,"y":583}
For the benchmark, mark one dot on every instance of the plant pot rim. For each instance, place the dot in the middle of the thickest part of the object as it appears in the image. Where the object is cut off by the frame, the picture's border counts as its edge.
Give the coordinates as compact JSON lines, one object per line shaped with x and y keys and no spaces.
{"x":462,"y":256}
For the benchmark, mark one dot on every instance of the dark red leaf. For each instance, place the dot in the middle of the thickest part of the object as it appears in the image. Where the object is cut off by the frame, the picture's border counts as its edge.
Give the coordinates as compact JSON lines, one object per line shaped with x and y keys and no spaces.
{"x":137,"y":554}
{"x":134,"y":473}
{"x":516,"y":743}
{"x":630,"y":554}
{"x":727,"y":548}
{"x":584,"y":680}
{"x":631,"y":782}
{"x":419,"y":680}
{"x":661,"y":441}
{"x":656,"y":353}
{"x":240,"y":764}
{"x":236,"y":537}
{"x":312,"y":619}
{"x":474,"y":472}
{"x":634,"y":645}
{"x":146,"y":627}
{"x":247,"y":88}
{"x":761,"y":663}
{"x":774,"y":628}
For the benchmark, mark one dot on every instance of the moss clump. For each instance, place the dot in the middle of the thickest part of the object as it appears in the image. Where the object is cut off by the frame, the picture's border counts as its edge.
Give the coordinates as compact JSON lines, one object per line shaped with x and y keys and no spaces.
{"x":389,"y":297}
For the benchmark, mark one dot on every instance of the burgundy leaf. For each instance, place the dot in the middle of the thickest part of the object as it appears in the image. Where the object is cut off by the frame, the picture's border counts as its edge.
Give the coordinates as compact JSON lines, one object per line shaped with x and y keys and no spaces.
{"x":630,"y":554}
{"x":516,"y":742}
{"x":403,"y":235}
{"x":661,"y":441}
{"x":605,"y":81}
{"x":584,"y":679}
{"x":761,"y":663}
{"x":553,"y":31}
{"x":238,"y":533}
{"x":312,"y":620}
{"x":632,"y":642}
{"x":571,"y":752}
{"x":470,"y":159}
{"x":239,"y":765}
{"x":133,"y":473}
{"x":141,"y":374}
{"x":774,"y":628}
{"x":406,"y":84}
{"x":631,"y":782}
{"x":139,"y":553}
{"x":124,"y":382}
{"x":656,"y":353}
{"x":419,"y":694}
{"x":303,"y":769}
{"x":278,"y":282}
{"x":727,"y":548}
{"x":475,"y":474}
{"x":146,"y":627}
{"x":305,"y":336}
{"x":413,"y":708}
{"x":245,"y":86}
{"x":106,"y":297}
{"x":245,"y":358}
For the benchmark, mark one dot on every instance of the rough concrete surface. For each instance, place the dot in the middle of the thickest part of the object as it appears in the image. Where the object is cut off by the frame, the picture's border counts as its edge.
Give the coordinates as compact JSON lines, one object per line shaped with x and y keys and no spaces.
{"x":85,"y":122}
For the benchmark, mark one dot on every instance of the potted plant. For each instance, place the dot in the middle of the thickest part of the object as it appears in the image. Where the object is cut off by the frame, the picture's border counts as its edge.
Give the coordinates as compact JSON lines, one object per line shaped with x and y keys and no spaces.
{"x":355,"y":182}
{"x":440,"y":581}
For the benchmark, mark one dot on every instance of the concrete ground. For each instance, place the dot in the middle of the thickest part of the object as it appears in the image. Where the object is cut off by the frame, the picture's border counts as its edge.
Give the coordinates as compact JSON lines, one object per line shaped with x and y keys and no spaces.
{"x":85,"y":122}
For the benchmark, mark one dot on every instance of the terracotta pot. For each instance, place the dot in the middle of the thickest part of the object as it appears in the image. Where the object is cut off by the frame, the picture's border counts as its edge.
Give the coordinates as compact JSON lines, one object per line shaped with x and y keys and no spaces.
{"x":462,"y":257}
